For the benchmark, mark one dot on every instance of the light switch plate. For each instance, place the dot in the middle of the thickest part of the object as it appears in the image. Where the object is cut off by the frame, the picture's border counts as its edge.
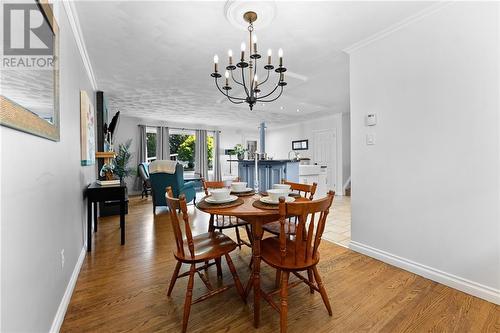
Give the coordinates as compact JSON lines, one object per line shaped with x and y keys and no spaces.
{"x":370,"y":139}
{"x":371,"y":119}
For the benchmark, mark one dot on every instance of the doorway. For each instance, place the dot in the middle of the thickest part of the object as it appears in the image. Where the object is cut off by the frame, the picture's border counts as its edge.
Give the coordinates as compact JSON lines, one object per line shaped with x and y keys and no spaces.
{"x":324,"y":154}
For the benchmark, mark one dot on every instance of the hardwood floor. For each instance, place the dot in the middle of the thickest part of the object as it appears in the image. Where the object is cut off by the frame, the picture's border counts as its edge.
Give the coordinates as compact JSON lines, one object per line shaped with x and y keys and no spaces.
{"x":123,"y":289}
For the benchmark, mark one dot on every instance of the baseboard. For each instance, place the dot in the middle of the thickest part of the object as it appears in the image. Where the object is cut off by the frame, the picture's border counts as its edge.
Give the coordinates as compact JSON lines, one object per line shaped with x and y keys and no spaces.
{"x":63,"y":306}
{"x":453,"y":281}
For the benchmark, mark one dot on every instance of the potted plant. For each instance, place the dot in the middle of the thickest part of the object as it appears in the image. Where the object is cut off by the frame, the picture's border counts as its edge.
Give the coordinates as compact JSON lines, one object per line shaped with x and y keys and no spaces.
{"x":123,"y":156}
{"x":239,"y":151}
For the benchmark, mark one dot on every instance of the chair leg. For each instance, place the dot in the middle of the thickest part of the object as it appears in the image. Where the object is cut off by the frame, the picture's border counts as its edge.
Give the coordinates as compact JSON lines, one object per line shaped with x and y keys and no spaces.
{"x":284,"y":301}
{"x":278,"y":278}
{"x":189,"y":296}
{"x":311,"y":279}
{"x":322,"y":290}
{"x":237,"y":282}
{"x":154,"y":209}
{"x":219,"y":267}
{"x":174,"y":278}
{"x":238,"y":239}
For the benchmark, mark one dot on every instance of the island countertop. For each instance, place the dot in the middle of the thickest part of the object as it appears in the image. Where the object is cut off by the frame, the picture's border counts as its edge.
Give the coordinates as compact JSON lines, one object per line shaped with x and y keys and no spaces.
{"x":269,"y":172}
{"x":269,"y":161}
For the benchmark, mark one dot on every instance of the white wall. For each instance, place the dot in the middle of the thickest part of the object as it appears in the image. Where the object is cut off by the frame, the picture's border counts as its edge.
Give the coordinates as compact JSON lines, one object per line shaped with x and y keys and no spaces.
{"x":128,"y":129}
{"x":426,"y":195}
{"x":229,"y":138}
{"x":43,"y":209}
{"x":279,"y":142}
{"x":346,"y":148}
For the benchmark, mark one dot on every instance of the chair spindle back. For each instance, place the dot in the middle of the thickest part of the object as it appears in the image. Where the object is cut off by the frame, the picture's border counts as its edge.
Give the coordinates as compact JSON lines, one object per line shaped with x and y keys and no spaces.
{"x":174,"y":205}
{"x":306,"y":190}
{"x":212,"y":184}
{"x":311,"y":224}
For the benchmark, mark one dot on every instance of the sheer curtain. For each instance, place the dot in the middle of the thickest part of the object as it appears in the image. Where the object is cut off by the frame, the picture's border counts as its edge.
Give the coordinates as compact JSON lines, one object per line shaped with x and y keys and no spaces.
{"x":200,"y":154}
{"x":217,"y":165}
{"x":141,"y":154}
{"x":162,"y":143}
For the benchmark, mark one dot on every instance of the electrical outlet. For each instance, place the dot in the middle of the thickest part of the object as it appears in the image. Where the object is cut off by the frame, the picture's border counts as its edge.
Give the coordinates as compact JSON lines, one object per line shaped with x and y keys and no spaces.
{"x":62,"y":258}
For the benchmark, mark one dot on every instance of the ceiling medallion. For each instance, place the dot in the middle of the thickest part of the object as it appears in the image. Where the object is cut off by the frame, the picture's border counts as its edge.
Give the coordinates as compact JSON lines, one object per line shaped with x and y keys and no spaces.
{"x":250,"y":81}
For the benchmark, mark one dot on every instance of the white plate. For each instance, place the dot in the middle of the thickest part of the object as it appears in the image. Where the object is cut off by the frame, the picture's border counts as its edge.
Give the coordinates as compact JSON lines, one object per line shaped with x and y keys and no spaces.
{"x":213,"y":201}
{"x":268,"y":200}
{"x":248,"y":189}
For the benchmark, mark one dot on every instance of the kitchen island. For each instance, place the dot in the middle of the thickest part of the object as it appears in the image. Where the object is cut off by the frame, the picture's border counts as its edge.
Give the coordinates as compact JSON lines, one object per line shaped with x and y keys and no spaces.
{"x":270,"y":172}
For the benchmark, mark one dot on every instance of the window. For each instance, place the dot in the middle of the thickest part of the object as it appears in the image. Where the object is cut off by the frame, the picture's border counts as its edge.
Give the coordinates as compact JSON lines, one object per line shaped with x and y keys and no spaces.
{"x":210,"y":151}
{"x":151,"y":144}
{"x":182,"y":148}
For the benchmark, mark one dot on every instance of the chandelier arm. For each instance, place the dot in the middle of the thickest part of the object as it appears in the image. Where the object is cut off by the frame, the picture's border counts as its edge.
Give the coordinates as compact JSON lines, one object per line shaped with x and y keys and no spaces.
{"x":254,"y":73}
{"x":267,"y":77}
{"x":230,"y":99}
{"x":243,"y":80}
{"x":227,"y":93}
{"x":272,"y":91}
{"x":236,"y":81}
{"x":277,"y":85}
{"x":272,"y":100}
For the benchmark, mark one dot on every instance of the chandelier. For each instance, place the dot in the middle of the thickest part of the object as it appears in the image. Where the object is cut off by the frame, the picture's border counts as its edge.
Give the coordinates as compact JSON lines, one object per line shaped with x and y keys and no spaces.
{"x":249,"y":79}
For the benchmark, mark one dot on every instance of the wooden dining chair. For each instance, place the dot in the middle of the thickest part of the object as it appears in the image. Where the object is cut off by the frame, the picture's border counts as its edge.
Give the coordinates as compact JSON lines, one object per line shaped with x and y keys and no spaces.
{"x":305,"y":190}
{"x":222,"y":222}
{"x":297,"y":254}
{"x":193,"y":250}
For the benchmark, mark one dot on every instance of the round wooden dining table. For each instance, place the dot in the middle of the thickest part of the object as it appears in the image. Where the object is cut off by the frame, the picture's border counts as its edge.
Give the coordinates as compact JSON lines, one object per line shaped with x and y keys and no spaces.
{"x":256,"y":217}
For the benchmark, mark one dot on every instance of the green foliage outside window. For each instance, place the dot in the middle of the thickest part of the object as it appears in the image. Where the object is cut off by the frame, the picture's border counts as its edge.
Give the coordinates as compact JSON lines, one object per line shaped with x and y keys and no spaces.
{"x":184,"y":146}
{"x":151,"y":144}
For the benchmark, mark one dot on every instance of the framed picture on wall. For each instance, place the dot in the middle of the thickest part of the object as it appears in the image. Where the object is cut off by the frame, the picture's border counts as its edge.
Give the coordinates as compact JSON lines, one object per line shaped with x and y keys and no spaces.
{"x":300,"y":145}
{"x":87,"y":130}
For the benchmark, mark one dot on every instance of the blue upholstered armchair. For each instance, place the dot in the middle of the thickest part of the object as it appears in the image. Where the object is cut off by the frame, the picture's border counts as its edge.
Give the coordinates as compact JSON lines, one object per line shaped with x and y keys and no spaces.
{"x":142,"y":171}
{"x":160,"y":181}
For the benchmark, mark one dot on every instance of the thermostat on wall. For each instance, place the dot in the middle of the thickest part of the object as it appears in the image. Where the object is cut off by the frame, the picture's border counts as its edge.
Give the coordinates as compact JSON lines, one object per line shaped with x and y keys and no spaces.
{"x":371,"y":119}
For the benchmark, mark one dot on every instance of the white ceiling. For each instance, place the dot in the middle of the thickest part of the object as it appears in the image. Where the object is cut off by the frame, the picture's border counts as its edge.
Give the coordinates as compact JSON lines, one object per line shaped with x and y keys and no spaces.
{"x":154,"y":59}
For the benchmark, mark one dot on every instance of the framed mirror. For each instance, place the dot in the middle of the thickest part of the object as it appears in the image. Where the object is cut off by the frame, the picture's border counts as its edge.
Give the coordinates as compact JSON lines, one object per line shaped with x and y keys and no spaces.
{"x":29,"y":96}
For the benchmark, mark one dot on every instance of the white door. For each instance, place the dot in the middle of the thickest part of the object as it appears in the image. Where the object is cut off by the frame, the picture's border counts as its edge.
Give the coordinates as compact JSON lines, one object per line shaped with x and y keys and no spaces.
{"x":325,"y":153}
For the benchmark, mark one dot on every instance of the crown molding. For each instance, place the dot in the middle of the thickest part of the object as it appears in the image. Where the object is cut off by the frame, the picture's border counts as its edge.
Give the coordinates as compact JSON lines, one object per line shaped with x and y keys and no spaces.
{"x":395,"y":27}
{"x":69,"y":7}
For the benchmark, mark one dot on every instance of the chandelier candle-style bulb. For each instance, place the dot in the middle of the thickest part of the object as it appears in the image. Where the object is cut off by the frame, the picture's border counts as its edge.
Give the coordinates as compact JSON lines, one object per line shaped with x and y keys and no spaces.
{"x":230,"y":54}
{"x":254,"y":41}
{"x":269,"y":54}
{"x":255,"y":80}
{"x":227,"y":78}
{"x":243,"y":47}
{"x":280,"y":55}
{"x":216,"y":62}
